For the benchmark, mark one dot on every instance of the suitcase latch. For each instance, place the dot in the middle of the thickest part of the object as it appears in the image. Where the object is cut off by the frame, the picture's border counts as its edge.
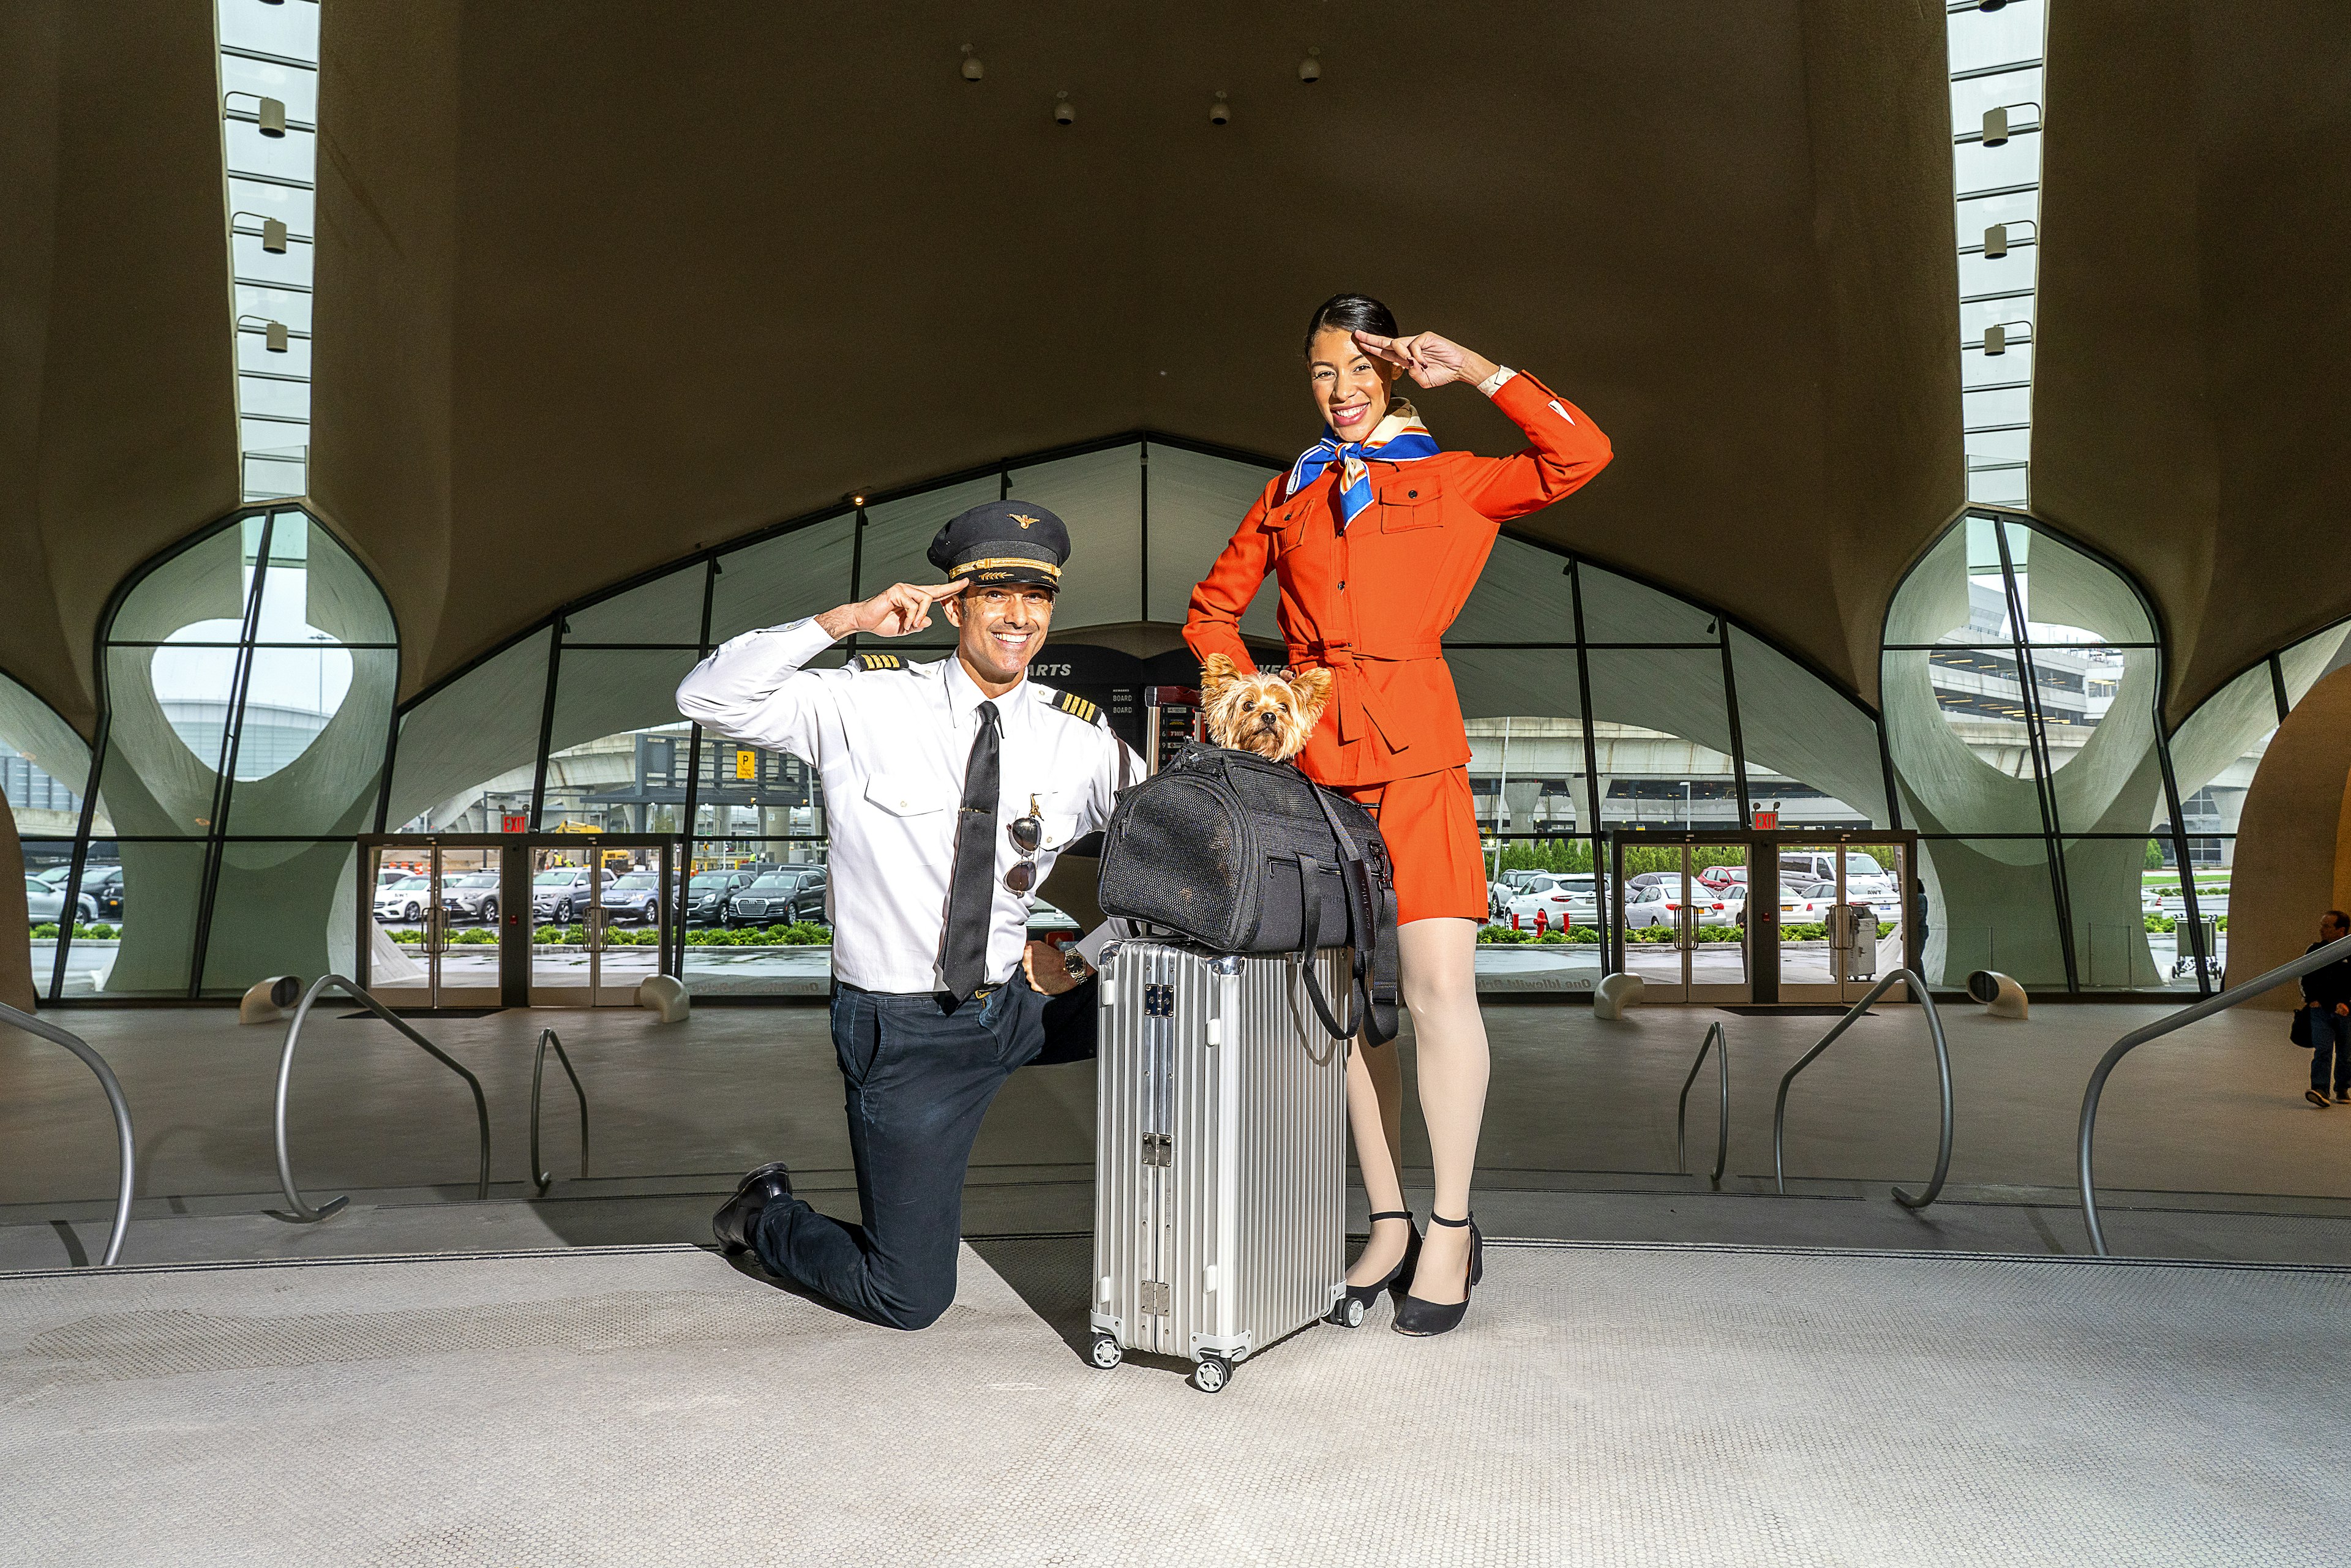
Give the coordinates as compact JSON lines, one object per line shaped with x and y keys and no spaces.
{"x":1157,"y":1301}
{"x":1157,"y":1148}
{"x":1159,"y":1001}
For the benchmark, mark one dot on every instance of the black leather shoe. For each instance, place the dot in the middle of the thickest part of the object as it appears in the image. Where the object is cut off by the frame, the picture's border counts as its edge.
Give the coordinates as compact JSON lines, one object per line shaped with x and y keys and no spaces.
{"x":1348,"y":1310}
{"x":1421,"y":1318}
{"x":732,"y":1224}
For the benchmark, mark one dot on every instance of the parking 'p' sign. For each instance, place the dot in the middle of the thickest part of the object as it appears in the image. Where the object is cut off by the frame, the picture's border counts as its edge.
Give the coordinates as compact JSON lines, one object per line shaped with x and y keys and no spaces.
{"x":746,"y":764}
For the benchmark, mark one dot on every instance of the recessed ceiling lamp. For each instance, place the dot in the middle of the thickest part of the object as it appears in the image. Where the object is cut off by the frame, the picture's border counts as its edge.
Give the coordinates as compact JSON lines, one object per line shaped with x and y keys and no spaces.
{"x":972,"y":69}
{"x":855,"y":498}
{"x":1310,"y":69}
{"x":1220,"y":112}
{"x":1064,"y":112}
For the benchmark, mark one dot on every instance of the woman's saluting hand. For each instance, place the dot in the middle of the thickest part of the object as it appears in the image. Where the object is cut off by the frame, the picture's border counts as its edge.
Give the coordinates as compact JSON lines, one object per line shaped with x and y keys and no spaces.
{"x":1431,"y":361}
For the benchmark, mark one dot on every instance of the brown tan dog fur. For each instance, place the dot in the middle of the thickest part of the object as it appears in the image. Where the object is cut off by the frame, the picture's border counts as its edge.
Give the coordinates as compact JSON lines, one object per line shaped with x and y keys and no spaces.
{"x":1261,"y":711}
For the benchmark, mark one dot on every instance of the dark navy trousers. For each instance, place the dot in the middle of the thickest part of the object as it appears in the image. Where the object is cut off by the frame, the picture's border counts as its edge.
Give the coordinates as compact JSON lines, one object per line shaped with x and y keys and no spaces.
{"x":919,"y":1079}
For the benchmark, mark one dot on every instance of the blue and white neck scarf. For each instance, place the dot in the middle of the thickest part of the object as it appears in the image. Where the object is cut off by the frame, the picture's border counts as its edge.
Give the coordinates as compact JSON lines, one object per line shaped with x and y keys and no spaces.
{"x":1400,"y":437}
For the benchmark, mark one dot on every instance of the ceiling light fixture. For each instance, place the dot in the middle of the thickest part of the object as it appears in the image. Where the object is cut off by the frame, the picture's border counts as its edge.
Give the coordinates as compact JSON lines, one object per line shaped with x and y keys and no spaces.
{"x":269,"y":114}
{"x":1220,"y":112}
{"x":1995,"y":339}
{"x":855,"y":498}
{"x":972,"y":69}
{"x":1995,"y":244}
{"x":273,"y":333}
{"x":1064,"y":112}
{"x":1310,"y":69}
{"x":273,"y":231}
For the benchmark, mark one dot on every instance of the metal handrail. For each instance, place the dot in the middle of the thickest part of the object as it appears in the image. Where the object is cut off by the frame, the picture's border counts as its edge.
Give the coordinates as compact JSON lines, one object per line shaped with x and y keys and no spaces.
{"x":1719,"y":1044}
{"x":303,"y":1211}
{"x":546,"y":1037}
{"x":125,"y":1153}
{"x":1942,"y":1068}
{"x":2317,"y":958}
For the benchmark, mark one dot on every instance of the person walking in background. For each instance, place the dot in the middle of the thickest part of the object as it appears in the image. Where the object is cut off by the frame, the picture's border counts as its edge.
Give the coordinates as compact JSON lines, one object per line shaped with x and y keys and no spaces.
{"x":2326,"y":1005}
{"x":1377,"y":535}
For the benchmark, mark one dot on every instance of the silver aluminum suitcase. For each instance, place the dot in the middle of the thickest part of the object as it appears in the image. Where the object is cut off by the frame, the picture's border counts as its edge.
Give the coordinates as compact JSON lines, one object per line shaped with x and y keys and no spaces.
{"x":1219,"y":1169}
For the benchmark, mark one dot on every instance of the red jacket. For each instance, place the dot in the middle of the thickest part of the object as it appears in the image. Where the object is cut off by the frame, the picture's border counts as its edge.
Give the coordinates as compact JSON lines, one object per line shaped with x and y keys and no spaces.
{"x":1373,"y":604}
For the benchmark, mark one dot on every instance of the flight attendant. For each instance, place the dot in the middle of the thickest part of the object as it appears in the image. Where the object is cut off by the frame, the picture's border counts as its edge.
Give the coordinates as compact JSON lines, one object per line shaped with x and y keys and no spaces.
{"x":1376,"y":535}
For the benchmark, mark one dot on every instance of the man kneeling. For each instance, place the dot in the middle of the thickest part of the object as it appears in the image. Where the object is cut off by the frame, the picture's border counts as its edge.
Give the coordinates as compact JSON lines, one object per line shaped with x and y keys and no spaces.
{"x":949,"y":789}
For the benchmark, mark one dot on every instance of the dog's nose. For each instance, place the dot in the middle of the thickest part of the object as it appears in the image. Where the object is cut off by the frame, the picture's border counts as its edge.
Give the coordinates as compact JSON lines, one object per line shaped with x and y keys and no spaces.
{"x":1268,"y":720}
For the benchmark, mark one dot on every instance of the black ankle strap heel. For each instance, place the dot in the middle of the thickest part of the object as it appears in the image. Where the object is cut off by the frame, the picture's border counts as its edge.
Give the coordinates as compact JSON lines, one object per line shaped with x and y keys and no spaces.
{"x":1420,"y":1318}
{"x":1348,"y":1310}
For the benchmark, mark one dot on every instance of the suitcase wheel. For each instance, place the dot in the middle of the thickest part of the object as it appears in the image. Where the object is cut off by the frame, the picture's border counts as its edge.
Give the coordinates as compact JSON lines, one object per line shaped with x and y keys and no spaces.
{"x":1351,"y":1312}
{"x":1213,"y":1373}
{"x":1106,"y":1351}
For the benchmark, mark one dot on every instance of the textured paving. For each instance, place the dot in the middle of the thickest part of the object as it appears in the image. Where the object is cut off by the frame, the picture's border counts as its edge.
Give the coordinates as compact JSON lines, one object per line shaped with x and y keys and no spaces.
{"x":1608,"y":1404}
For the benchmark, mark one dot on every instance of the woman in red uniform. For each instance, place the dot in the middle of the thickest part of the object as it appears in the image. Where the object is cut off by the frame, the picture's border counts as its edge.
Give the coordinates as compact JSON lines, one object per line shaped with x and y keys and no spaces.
{"x":1377,"y":537}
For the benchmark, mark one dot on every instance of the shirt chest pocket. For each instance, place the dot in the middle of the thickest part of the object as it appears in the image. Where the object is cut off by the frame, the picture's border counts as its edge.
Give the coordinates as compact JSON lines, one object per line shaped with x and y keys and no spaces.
{"x":1285,"y":529}
{"x":905,"y":795}
{"x":1408,"y":505}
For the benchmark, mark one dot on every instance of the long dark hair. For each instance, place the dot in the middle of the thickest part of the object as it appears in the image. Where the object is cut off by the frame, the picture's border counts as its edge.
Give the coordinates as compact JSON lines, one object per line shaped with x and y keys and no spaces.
{"x":1349,"y":313}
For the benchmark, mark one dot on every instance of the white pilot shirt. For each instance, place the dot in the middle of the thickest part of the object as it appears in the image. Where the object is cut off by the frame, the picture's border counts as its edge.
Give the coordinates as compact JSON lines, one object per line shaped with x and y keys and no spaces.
{"x":891,"y":746}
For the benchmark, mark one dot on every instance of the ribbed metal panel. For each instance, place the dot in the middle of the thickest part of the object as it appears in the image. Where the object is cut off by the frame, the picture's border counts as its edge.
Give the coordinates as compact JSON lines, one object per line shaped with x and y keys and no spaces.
{"x":1244,"y":1223}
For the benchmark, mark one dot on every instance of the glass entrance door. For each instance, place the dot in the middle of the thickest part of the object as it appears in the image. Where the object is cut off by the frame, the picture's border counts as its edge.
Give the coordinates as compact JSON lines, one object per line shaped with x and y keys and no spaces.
{"x":601,"y":916}
{"x":433,"y":927}
{"x":1678,"y":909}
{"x":1844,"y":918}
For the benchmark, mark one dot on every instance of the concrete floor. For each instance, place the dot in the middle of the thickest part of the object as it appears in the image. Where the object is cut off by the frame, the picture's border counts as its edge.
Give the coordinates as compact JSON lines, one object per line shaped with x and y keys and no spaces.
{"x":1603,"y":1404}
{"x":2206,"y":1145}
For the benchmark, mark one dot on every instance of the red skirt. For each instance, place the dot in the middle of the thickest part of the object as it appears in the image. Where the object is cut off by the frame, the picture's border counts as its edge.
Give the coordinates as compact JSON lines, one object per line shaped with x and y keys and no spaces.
{"x":1431,"y":828}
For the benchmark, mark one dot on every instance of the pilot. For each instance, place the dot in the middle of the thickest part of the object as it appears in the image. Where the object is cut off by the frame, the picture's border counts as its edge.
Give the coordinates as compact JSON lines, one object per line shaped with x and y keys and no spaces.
{"x":950,"y":787}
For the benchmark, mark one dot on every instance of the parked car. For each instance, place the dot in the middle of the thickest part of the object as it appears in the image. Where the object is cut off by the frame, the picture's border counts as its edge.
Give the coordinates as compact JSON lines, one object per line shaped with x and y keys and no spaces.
{"x":406,"y":900}
{"x":102,"y":892}
{"x":562,"y":893}
{"x":1567,"y":897}
{"x":1660,"y":903}
{"x":711,"y":895}
{"x":635,"y":896}
{"x":1046,"y":922}
{"x":779,"y":897}
{"x":1884,"y":899}
{"x":1820,"y":865}
{"x":471,"y":896}
{"x":1722,"y":879}
{"x":46,"y":901}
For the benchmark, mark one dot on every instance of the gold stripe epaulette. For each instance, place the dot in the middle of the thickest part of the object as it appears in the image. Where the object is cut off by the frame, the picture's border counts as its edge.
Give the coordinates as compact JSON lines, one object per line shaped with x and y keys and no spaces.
{"x":880,"y":662}
{"x":1077,"y":707}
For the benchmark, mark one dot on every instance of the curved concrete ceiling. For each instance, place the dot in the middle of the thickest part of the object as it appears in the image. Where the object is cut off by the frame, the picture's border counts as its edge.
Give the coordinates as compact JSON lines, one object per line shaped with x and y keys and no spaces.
{"x":2192,"y":411}
{"x":118,"y":410}
{"x":601,"y":283}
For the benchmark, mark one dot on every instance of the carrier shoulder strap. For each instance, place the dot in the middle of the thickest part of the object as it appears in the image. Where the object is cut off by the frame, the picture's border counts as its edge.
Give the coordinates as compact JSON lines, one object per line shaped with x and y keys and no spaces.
{"x":1375,"y":982}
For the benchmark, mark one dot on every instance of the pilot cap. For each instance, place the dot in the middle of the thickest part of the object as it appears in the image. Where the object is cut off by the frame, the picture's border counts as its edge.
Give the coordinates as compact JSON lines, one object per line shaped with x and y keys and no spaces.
{"x":1003,"y":542}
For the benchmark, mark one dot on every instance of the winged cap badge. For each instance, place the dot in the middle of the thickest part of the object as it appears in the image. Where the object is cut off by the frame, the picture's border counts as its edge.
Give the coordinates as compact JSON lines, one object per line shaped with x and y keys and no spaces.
{"x":1023,"y":521}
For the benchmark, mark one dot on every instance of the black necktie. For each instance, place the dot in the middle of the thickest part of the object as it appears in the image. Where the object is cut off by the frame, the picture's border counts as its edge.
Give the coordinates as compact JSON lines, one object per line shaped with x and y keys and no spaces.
{"x":971,"y":895}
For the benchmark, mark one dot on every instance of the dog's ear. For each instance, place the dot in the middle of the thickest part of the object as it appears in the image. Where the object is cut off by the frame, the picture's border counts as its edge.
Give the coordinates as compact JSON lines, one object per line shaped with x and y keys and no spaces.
{"x":1215,"y":670}
{"x":1313,"y":689}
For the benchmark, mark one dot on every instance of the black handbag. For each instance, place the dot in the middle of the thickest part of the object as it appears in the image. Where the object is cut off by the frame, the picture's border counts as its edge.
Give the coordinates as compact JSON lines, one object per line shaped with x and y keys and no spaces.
{"x":1243,"y":855}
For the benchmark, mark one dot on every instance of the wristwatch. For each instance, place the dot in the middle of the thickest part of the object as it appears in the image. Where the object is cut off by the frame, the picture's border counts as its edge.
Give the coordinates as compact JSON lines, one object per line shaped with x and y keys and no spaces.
{"x":1075,"y":962}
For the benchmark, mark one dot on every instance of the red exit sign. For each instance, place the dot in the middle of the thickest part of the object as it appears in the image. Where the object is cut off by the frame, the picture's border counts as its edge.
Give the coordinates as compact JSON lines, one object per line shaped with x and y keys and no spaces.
{"x":514,"y":822}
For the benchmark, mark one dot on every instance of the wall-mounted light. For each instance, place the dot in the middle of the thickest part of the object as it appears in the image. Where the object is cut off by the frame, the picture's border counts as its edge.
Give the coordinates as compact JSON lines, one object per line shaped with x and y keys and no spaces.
{"x":1310,"y":69}
{"x":269,"y":113}
{"x":972,"y":69}
{"x":1995,"y":244}
{"x":1064,"y":112}
{"x":1995,"y":338}
{"x":273,"y":333}
{"x":273,"y":231}
{"x":1220,"y":112}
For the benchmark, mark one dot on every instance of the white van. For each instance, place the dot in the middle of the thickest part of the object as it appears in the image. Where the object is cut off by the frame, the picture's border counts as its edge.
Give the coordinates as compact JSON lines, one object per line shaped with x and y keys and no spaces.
{"x":1820,"y":865}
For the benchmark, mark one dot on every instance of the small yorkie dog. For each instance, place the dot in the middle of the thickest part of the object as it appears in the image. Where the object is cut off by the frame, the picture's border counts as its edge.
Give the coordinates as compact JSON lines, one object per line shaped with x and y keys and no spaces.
{"x":1262,"y":712}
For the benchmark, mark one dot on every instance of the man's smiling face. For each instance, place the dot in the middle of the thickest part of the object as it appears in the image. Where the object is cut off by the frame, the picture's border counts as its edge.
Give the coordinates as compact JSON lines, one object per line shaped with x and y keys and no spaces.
{"x":999,"y":628}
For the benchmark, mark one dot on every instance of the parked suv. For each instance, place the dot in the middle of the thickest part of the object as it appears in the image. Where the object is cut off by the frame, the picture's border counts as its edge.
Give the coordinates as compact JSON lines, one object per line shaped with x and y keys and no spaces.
{"x":636,"y":896}
{"x":711,"y":895}
{"x":1820,"y":865}
{"x":471,"y":896}
{"x":562,"y":893}
{"x":779,"y":897}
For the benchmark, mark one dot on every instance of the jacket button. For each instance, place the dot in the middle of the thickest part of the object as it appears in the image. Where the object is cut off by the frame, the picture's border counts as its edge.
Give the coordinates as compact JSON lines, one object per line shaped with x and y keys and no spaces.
{"x":1343,"y":587}
{"x":1412,"y":495}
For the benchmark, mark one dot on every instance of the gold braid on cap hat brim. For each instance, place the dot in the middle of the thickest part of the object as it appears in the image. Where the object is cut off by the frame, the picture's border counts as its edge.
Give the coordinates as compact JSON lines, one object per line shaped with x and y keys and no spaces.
{"x":1007,"y":563}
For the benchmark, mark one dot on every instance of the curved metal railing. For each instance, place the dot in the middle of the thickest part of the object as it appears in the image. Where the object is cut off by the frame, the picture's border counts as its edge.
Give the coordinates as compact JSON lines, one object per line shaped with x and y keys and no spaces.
{"x":2316,"y":959}
{"x":538,"y":1173}
{"x":1719,"y":1044}
{"x":1942,"y":1068}
{"x":126,"y":1152}
{"x":303,"y":1211}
